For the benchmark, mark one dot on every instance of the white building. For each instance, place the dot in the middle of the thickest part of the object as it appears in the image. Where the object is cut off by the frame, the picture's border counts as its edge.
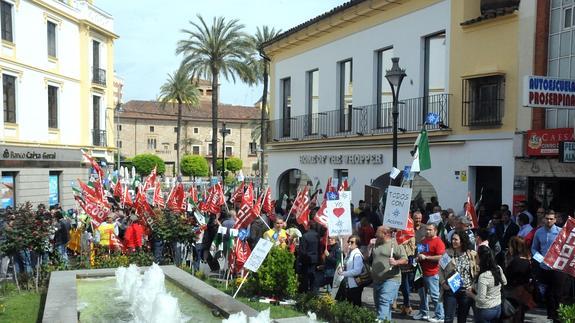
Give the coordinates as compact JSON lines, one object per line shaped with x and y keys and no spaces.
{"x":57,"y":63}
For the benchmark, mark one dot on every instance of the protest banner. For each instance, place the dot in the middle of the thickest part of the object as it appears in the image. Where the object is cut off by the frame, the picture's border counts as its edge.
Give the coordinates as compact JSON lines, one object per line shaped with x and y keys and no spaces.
{"x":339,"y":215}
{"x":397,"y":207}
{"x":561,"y":255}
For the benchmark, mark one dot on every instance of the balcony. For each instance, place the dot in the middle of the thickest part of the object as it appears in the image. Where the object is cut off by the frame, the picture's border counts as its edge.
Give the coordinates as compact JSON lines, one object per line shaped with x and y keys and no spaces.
{"x":98,"y":76}
{"x":99,"y":138}
{"x":357,"y":121}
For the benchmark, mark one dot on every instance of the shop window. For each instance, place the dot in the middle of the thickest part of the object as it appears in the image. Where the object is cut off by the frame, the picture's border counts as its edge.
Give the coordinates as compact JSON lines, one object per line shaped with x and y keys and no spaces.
{"x":8,"y":189}
{"x":54,"y":188}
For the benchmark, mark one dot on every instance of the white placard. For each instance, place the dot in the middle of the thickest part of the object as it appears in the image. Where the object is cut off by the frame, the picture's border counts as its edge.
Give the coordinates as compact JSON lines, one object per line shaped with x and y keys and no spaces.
{"x":444,"y":260}
{"x":258,"y":255}
{"x":397,"y":207}
{"x":434,"y":218}
{"x":394,"y":172}
{"x":339,"y":215}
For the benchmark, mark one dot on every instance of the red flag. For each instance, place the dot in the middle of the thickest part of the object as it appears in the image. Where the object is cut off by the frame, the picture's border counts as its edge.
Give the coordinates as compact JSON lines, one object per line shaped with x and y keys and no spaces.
{"x":240,"y":255}
{"x":238,"y":193}
{"x":96,"y":211}
{"x":215,"y":199}
{"x":150,"y":180}
{"x":177,"y":198}
{"x":115,"y":243}
{"x":320,"y":217}
{"x":560,"y":255}
{"x":87,"y":190}
{"x":158,"y":198}
{"x":300,"y":207}
{"x":404,"y":235}
{"x":470,"y":212}
{"x":344,"y":185}
{"x":268,"y":204}
{"x":118,"y":190}
{"x":142,"y":207}
{"x":248,"y":211}
{"x":94,"y":165}
{"x":193,"y":194}
{"x":127,"y":198}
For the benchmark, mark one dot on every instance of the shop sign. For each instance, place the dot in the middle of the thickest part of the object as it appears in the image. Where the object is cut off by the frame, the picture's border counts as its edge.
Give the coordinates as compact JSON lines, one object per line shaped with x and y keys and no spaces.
{"x":548,"y":92}
{"x":567,"y":151}
{"x":353,"y":159}
{"x":39,"y":154}
{"x":546,"y":142}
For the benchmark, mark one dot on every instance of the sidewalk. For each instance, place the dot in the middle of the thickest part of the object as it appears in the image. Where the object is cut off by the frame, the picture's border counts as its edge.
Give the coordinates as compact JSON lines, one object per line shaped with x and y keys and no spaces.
{"x":538,"y":315}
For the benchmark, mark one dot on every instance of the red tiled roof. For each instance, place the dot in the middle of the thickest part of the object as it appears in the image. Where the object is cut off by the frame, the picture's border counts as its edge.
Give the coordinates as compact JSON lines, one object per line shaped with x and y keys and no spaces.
{"x":153,"y":110}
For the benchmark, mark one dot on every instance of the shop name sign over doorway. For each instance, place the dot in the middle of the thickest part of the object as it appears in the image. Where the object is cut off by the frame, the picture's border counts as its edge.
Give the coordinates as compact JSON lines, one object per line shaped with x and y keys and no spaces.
{"x":359,"y":159}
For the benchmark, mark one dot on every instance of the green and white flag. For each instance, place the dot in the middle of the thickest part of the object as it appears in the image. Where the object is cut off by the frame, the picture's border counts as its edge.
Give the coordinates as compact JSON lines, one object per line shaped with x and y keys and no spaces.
{"x":421,"y":156}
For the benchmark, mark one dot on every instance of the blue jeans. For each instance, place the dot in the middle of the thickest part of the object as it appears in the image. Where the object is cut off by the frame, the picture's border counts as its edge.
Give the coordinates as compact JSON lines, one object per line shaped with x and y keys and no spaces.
{"x":487,"y":315}
{"x":61,"y":249}
{"x":23,"y":262}
{"x":456,"y":303}
{"x":384,"y":294}
{"x":406,"y":284}
{"x":158,"y":250}
{"x":431,"y":287}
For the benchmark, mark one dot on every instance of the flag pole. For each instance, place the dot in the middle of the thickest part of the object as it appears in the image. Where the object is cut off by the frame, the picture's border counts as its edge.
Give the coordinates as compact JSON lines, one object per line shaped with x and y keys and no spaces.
{"x":291,"y":209}
{"x":260,"y":215}
{"x":241,"y":284}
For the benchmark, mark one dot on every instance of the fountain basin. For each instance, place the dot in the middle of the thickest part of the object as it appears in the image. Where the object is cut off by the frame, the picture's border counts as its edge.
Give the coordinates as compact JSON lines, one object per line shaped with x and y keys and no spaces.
{"x":62,"y":298}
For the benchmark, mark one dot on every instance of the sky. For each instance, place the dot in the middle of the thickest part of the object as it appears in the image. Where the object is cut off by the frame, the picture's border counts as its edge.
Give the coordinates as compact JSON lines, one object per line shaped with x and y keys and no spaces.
{"x":149,"y":31}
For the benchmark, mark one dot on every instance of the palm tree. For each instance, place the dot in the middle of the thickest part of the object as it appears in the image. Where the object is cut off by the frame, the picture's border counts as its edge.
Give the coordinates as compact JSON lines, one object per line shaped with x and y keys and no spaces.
{"x":222,"y":48}
{"x":179,"y":88}
{"x":262,"y":36}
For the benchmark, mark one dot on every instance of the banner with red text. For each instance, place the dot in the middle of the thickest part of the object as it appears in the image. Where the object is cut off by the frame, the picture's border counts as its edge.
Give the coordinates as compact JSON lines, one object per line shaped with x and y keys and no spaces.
{"x":561,"y":254}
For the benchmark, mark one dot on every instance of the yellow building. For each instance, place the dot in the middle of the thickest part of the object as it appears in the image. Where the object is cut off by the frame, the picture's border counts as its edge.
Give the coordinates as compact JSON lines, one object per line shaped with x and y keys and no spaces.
{"x":57,"y":96}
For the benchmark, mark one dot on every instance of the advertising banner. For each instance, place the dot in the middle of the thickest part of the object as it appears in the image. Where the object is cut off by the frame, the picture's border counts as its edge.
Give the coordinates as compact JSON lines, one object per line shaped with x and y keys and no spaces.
{"x":546,"y":142}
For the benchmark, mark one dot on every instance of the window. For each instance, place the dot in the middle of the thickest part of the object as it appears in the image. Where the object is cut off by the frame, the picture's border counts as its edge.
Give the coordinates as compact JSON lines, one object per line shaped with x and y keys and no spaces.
{"x":51,"y":39}
{"x":9,"y":97}
{"x":6,"y":26}
{"x":176,"y":129}
{"x":196,"y":130}
{"x":119,"y":144}
{"x":52,"y":107}
{"x":229,"y":151}
{"x":209,"y":149}
{"x":568,"y":17}
{"x":286,"y":106}
{"x":152,"y":143}
{"x":176,"y":146}
{"x":151,"y":128}
{"x":195,"y":150}
{"x":312,"y":102}
{"x":98,"y":135}
{"x":119,"y":127}
{"x":384,"y":96}
{"x":8,"y":189}
{"x":434,"y":78}
{"x":483,"y":100}
{"x":54,"y":188}
{"x":345,"y":91}
{"x":341,"y":175}
{"x":253,"y":148}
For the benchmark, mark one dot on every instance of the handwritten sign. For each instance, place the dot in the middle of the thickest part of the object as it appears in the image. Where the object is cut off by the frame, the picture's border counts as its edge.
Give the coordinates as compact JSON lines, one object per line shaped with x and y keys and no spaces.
{"x":397,"y":207}
{"x":434,"y":218}
{"x":339,"y":215}
{"x":258,"y":255}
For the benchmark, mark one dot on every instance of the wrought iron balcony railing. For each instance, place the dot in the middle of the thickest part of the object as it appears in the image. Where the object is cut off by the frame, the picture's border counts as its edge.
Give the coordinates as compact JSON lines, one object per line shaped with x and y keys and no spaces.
{"x":98,"y":76}
{"x":99,"y":137}
{"x":361,"y":120}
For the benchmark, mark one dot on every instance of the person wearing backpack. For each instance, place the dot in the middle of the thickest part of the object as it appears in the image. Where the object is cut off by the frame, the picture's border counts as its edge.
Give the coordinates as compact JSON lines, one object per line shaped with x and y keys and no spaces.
{"x":386,"y":257}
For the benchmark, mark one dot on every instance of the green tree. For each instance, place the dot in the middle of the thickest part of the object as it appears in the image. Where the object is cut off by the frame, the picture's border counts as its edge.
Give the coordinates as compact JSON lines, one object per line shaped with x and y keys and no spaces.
{"x":233,"y":164}
{"x":145,"y":163}
{"x":222,"y":48}
{"x":181,"y":90}
{"x":261,"y":37}
{"x":195,"y":166}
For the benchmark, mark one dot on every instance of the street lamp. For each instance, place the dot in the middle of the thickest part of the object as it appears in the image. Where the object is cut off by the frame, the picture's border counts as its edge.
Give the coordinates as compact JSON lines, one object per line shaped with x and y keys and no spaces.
{"x":224,"y":131}
{"x":119,"y":109}
{"x":395,"y":76}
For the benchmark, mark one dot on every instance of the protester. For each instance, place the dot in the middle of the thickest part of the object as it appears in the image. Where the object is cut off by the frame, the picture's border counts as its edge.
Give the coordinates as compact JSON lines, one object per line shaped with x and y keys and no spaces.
{"x":277,"y":234}
{"x":487,"y":288}
{"x":524,"y":225}
{"x":462,"y":260}
{"x":462,"y":223}
{"x":505,"y":231}
{"x":366,"y":233}
{"x":518,"y":274}
{"x":430,"y":251}
{"x":553,"y":280}
{"x":332,"y":258}
{"x":353,"y":267}
{"x":133,"y":238}
{"x":105,"y":231}
{"x":522,"y":209}
{"x":387,"y":257}
{"x":407,"y":275}
{"x":419,"y":228}
{"x":308,"y":260}
{"x":61,"y":237}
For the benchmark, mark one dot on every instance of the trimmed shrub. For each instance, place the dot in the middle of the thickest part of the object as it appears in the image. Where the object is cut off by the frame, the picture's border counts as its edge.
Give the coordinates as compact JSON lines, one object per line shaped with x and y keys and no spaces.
{"x":276,"y":277}
{"x":233,"y":164}
{"x":193,"y":165}
{"x":145,"y":163}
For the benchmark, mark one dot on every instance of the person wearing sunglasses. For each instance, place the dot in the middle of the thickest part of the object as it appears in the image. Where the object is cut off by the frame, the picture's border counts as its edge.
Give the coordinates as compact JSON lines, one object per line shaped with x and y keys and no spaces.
{"x":350,"y":291}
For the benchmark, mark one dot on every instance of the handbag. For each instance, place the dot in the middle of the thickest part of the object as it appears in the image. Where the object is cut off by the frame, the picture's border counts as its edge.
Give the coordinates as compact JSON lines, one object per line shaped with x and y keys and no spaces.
{"x":507,"y":308}
{"x":364,"y":279}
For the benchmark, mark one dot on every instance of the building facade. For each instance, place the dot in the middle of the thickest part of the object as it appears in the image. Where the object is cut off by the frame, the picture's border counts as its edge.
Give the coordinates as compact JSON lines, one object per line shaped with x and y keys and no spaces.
{"x":147,"y":127}
{"x":57,"y":64}
{"x":331,"y":103}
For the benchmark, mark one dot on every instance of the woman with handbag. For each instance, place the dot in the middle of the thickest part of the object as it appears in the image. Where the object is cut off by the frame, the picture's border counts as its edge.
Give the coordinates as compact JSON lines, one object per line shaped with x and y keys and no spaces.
{"x":459,"y":259}
{"x":353,"y":268}
{"x":518,"y":271}
{"x":487,"y":289}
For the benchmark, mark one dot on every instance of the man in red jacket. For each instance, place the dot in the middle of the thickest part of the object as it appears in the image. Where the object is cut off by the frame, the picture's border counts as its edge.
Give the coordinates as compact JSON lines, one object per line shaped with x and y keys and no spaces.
{"x":134,"y":234}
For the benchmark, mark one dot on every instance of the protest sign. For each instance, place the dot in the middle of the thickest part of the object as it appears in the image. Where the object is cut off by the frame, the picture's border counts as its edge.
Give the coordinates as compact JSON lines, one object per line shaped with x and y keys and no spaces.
{"x":434,"y":218}
{"x":397,"y":207}
{"x":455,"y":282}
{"x":561,"y":255}
{"x":258,"y":255}
{"x":339,"y":215}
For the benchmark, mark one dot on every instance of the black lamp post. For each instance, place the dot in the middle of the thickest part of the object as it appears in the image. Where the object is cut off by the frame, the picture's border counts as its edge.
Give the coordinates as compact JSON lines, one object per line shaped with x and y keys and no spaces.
{"x":224,"y":131}
{"x":395,"y":76}
{"x":119,"y":109}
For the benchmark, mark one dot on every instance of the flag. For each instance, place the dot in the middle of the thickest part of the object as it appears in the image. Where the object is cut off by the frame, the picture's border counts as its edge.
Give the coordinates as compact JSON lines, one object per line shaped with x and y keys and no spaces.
{"x":421,"y":156}
{"x":247,"y":212}
{"x":158,"y":198}
{"x":404,"y":235}
{"x":115,"y":242}
{"x":95,"y":166}
{"x":177,"y":198}
{"x":238,"y":193}
{"x":96,"y":211}
{"x":118,"y":190}
{"x":240,"y":255}
{"x":193,"y":194}
{"x":150,"y":180}
{"x":268,"y":203}
{"x":87,"y":190}
{"x":320,"y":217}
{"x":470,"y":212}
{"x":127,"y":198}
{"x":215,"y":199}
{"x":344,"y":185}
{"x":301,"y":207}
{"x":560,"y":255}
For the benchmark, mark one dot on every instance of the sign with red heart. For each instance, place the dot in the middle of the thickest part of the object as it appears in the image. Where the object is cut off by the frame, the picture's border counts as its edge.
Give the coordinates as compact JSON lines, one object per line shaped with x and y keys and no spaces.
{"x":339,"y":215}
